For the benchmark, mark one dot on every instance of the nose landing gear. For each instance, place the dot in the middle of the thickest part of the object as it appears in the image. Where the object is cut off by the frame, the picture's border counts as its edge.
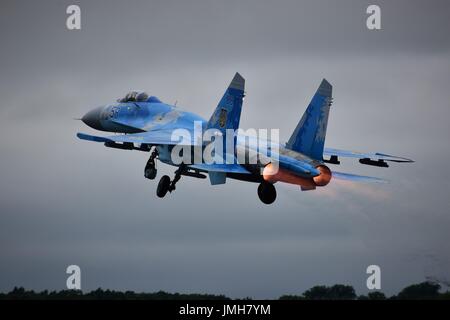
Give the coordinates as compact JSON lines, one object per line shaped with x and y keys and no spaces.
{"x":150,"y":168}
{"x":165,"y":185}
{"x":267,"y":192}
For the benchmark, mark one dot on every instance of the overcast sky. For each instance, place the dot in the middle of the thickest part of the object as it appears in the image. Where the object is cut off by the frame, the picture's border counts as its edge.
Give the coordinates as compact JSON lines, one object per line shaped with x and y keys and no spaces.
{"x":65,"y":201}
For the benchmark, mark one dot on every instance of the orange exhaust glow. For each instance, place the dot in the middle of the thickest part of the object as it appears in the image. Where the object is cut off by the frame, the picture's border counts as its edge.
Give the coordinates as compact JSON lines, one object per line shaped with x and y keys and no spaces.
{"x":324,"y":178}
{"x":272,"y":175}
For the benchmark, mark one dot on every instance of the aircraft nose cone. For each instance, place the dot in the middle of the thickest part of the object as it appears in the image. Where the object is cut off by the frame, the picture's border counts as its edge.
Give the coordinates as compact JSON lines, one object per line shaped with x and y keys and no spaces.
{"x":92,"y":119}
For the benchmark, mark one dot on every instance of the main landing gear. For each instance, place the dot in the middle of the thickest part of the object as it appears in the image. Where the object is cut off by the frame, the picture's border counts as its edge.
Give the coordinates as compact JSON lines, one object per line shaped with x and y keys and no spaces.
{"x":267,"y":192}
{"x":150,"y":168}
{"x":165,"y":185}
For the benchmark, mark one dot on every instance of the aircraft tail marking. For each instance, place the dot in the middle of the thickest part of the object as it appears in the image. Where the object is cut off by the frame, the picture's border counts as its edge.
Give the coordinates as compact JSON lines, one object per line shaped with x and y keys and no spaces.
{"x":228,"y":111}
{"x":309,"y":135}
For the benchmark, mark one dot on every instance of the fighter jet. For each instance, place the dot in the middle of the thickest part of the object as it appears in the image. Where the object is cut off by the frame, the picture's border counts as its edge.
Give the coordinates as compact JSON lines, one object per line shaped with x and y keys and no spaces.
{"x":145,"y":123}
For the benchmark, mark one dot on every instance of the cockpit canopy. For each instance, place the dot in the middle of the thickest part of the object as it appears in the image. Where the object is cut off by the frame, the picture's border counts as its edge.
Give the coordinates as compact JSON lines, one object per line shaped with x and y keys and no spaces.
{"x":135,"y":96}
{"x":139,"y":96}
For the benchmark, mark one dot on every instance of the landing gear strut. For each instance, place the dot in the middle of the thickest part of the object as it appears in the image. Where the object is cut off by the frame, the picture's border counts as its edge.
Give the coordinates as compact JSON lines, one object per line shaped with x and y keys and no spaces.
{"x":165,"y":185}
{"x":267,"y":192}
{"x":150,"y":168}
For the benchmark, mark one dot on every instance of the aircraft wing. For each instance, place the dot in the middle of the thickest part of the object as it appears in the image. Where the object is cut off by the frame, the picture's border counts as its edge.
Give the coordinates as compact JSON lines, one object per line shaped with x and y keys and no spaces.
{"x":163,"y":137}
{"x":375,"y":159}
{"x":149,"y":137}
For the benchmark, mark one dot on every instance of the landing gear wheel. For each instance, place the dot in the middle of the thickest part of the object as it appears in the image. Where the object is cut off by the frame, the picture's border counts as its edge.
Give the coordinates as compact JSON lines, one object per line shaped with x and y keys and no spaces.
{"x":150,"y":172}
{"x":163,"y":186}
{"x":267,"y":193}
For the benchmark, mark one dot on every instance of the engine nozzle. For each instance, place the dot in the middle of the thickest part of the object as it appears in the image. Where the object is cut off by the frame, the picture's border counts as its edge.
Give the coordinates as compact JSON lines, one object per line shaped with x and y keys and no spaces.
{"x":324,"y":177}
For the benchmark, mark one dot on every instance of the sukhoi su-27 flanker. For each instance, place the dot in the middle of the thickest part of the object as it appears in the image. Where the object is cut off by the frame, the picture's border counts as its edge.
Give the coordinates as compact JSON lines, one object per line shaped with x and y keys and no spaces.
{"x":145,"y":123}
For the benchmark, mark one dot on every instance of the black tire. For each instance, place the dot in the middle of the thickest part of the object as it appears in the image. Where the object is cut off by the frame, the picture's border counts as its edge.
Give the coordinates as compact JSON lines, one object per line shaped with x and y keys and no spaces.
{"x":267,"y":193}
{"x":150,"y":173}
{"x":163,"y":186}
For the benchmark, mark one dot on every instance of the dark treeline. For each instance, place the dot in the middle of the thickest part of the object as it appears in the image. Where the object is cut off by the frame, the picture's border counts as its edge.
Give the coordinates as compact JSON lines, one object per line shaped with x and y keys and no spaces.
{"x":100,"y":294}
{"x":424,"y":290}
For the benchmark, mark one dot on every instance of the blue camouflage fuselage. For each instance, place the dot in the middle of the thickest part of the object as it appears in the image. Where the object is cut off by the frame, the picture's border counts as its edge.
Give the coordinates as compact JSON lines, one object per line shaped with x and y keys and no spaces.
{"x":154,"y":115}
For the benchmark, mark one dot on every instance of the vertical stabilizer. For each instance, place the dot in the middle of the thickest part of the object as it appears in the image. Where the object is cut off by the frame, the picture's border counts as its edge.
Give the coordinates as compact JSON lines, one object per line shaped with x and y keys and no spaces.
{"x":309,"y":135}
{"x":228,"y":111}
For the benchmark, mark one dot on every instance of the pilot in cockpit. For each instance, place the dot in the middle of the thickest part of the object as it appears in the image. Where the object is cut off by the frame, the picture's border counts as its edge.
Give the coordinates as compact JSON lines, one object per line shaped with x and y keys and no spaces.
{"x":134,"y":96}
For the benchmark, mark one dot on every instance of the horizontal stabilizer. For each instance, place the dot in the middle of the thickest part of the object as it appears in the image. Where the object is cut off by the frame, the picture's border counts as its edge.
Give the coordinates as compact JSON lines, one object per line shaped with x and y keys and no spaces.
{"x":357,"y":178}
{"x":375,"y":159}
